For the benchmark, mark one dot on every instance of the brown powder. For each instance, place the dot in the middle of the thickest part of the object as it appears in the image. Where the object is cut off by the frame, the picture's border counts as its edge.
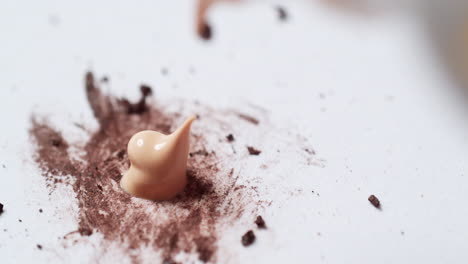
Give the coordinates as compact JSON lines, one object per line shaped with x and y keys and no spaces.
{"x":190,"y":223}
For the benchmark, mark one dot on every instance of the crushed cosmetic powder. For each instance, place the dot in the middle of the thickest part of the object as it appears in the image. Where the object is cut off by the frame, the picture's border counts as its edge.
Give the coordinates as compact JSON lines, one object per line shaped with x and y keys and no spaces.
{"x":193,"y":222}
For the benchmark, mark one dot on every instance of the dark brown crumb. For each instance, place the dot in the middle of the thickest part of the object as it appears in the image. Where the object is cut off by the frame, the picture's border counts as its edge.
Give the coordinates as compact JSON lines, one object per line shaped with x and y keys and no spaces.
{"x":248,"y":238}
{"x":282,"y":13}
{"x":40,"y":210}
{"x":121,"y":154}
{"x":19,"y":220}
{"x":1,"y":208}
{"x":253,"y":151}
{"x":260,"y":222}
{"x":39,"y":246}
{"x":230,"y":138}
{"x":146,"y":90}
{"x":205,"y":31}
{"x":104,"y":79}
{"x":140,"y":107}
{"x":374,"y":201}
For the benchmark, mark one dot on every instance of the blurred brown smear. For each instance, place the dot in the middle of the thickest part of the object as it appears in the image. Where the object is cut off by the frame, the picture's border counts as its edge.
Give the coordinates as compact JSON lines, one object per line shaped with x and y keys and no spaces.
{"x":375,"y":7}
{"x":363,"y":7}
{"x":360,"y":7}
{"x":203,"y":28}
{"x":204,"y":31}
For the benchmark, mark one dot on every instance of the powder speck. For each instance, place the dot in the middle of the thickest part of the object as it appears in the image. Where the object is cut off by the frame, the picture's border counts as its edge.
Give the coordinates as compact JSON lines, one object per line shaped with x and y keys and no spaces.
{"x":230,"y":138}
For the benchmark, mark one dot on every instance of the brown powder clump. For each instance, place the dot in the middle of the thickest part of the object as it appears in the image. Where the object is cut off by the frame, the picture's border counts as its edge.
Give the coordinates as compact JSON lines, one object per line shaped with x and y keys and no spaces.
{"x":374,"y":201}
{"x":190,"y":223}
{"x":248,"y":238}
{"x":260,"y":222}
{"x":253,"y":151}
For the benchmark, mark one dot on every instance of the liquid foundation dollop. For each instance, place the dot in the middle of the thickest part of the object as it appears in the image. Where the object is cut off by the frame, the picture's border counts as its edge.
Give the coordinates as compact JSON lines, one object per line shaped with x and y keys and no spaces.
{"x":158,"y":163}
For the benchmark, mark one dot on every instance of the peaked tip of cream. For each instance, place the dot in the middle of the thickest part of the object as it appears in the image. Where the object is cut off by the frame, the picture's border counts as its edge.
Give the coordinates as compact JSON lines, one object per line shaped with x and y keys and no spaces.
{"x":187,"y":124}
{"x":193,"y":117}
{"x":190,"y":119}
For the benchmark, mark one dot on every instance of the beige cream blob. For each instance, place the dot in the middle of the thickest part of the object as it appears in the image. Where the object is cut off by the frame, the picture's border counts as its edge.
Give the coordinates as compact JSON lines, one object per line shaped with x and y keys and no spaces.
{"x":158,"y":163}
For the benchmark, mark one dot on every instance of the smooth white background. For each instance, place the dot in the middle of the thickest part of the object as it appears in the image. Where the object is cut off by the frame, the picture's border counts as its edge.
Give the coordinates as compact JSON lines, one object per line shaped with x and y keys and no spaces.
{"x":367,"y":91}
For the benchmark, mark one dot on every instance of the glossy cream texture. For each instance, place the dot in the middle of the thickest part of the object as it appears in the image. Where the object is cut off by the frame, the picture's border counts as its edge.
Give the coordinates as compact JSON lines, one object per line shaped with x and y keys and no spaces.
{"x":158,"y":163}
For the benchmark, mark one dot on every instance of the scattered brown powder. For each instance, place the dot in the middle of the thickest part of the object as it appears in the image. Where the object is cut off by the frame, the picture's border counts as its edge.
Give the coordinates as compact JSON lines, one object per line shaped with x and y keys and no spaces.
{"x":186,"y":227}
{"x":189,"y":223}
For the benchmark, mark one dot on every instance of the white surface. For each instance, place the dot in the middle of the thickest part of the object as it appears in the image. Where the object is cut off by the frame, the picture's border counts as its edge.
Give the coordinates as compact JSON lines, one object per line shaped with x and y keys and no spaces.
{"x":390,"y":124}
